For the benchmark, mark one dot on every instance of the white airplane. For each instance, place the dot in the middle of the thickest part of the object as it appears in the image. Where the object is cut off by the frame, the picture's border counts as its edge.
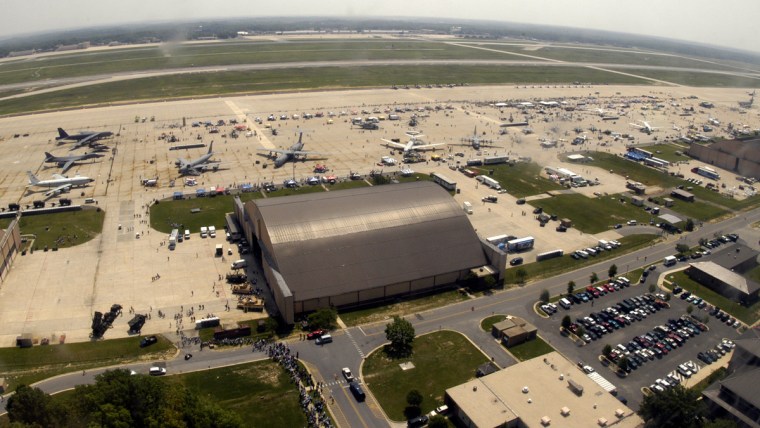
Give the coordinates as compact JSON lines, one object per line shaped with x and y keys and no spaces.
{"x":59,"y":183}
{"x":413,"y":144}
{"x":197,"y":166}
{"x":676,"y":128}
{"x":714,"y":121}
{"x":645,"y":127}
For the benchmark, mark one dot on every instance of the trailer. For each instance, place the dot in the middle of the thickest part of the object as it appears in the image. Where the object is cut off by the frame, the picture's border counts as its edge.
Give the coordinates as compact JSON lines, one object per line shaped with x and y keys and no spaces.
{"x":488,"y":181}
{"x":706,"y":171}
{"x":495,"y":160}
{"x":521,"y":244}
{"x":444,"y":181}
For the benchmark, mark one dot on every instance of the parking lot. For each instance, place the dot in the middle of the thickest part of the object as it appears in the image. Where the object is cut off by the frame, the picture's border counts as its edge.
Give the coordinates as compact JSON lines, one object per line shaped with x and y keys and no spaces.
{"x":657,"y":368}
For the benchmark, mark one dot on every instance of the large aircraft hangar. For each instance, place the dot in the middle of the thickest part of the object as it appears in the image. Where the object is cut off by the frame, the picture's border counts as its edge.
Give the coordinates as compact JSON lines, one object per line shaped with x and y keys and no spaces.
{"x":351,"y":247}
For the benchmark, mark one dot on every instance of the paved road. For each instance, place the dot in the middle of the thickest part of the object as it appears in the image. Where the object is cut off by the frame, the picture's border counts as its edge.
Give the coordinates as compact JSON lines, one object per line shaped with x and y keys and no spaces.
{"x":351,"y":345}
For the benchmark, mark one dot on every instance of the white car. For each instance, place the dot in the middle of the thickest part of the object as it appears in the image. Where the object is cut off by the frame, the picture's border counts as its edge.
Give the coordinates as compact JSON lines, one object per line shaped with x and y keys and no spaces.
{"x":157,"y":371}
{"x":347,"y":374}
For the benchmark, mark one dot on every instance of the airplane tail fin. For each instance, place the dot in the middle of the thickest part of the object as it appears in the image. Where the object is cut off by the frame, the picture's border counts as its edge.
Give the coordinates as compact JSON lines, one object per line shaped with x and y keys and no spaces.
{"x":300,"y":136}
{"x":48,"y":156}
{"x":62,"y":133}
{"x":210,"y":147}
{"x":32,"y":178}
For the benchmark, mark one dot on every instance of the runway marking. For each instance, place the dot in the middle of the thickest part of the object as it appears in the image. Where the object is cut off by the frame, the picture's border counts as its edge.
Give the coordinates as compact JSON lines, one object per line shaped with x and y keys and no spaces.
{"x":243,"y":118}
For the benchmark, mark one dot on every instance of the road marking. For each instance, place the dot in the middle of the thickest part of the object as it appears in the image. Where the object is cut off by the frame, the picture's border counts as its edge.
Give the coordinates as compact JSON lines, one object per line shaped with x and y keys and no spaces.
{"x":351,"y":400}
{"x":356,"y":345}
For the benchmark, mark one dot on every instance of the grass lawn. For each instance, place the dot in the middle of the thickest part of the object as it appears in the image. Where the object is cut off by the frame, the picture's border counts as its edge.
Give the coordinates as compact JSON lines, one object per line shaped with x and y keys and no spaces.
{"x":487,"y":323}
{"x":61,"y":230}
{"x":695,"y":79}
{"x":748,"y":315}
{"x":26,"y":366}
{"x":261,"y":393}
{"x":607,"y":211}
{"x":633,"y":170}
{"x":441,"y":360}
{"x":207,"y":333}
{"x":698,"y":210}
{"x":551,"y":267}
{"x":753,"y":274}
{"x":351,"y":184}
{"x":400,"y":307}
{"x":166,"y":213}
{"x":530,"y":349}
{"x":667,"y":151}
{"x":719,"y":374}
{"x":522,"y":179}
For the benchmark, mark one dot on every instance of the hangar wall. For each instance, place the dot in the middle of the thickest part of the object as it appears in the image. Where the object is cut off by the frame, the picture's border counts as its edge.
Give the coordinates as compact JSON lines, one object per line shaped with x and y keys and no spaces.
{"x":10,"y":244}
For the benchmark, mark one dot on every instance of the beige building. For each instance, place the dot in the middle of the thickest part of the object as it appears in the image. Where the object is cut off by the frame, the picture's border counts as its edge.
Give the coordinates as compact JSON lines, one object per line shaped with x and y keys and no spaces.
{"x":513,"y":331}
{"x":546,"y":391}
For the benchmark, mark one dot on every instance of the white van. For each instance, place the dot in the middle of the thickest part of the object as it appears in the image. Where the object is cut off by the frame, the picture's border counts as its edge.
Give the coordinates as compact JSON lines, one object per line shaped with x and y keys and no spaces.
{"x":583,"y":254}
{"x":204,"y":231}
{"x":187,"y":233}
{"x":564,"y":303}
{"x":212,"y":232}
{"x":239,"y":264}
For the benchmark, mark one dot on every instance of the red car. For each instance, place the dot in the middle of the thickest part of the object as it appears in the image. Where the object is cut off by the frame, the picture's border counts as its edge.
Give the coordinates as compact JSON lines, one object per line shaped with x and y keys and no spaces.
{"x":315,"y":334}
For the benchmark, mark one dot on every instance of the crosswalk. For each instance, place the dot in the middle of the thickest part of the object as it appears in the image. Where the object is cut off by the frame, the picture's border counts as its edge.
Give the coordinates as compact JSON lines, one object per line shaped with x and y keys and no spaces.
{"x":356,"y":345}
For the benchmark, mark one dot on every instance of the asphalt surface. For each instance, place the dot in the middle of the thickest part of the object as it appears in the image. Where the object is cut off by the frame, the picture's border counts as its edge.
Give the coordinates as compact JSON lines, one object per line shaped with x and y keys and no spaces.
{"x":351,"y":345}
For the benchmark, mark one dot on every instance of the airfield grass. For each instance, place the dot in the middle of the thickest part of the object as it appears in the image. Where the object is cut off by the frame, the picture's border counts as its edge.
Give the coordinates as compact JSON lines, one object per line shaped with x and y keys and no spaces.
{"x":221,"y":54}
{"x":748,"y":315}
{"x":487,"y":323}
{"x":344,"y":185}
{"x":698,"y":210}
{"x":258,"y":81}
{"x":401,"y":307}
{"x":260,"y":392}
{"x":522,"y":179}
{"x":633,"y":170}
{"x":592,"y":215}
{"x":441,"y":360}
{"x":556,"y":266}
{"x":530,"y":349}
{"x":697,"y":79}
{"x":600,"y":55}
{"x":169,"y":214}
{"x":26,"y":366}
{"x":61,"y":230}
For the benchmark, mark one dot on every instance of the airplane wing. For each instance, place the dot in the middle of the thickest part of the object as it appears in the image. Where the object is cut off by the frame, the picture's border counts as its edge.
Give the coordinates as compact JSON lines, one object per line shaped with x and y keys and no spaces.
{"x":58,"y":176}
{"x":304,"y":152}
{"x":427,"y":146}
{"x":211,"y":166}
{"x":394,"y":144}
{"x":275,"y":150}
{"x":83,"y":142}
{"x":66,"y":166}
{"x":182,"y":163}
{"x":636,"y":125}
{"x":58,"y":189}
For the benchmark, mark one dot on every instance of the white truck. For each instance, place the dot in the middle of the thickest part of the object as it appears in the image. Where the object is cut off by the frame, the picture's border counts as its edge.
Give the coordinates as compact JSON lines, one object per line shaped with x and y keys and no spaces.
{"x":204,"y":231}
{"x":669,"y":260}
{"x":212,"y":232}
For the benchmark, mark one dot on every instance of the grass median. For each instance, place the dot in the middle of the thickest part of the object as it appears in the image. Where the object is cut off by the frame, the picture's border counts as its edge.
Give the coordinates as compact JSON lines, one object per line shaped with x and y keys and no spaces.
{"x":61,"y":230}
{"x":530,"y":349}
{"x":441,"y":360}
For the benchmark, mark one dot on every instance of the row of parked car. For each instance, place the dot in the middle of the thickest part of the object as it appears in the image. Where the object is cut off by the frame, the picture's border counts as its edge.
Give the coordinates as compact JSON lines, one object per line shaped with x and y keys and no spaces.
{"x":711,"y":355}
{"x":618,"y":316}
{"x":700,"y":303}
{"x":594,"y":251}
{"x":685,"y":370}
{"x":660,"y":341}
{"x":595,"y":292}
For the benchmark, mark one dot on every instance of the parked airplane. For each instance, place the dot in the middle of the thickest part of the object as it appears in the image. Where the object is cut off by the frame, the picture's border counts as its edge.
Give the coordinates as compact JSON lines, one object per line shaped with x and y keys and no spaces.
{"x":476,"y":142}
{"x":414,"y":143}
{"x":66,"y":162}
{"x":197,"y":166}
{"x":645,"y":127}
{"x":59,"y":182}
{"x":83,"y":138}
{"x":292,"y":153}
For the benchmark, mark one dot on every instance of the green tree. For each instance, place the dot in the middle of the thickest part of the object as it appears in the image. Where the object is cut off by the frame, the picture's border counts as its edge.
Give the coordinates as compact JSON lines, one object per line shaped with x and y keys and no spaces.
{"x":720,"y":423}
{"x":689,"y":225}
{"x":323,"y":318}
{"x":593,"y":278}
{"x":682,"y":248}
{"x":607,"y":350}
{"x":674,"y":407}
{"x":690,"y":309}
{"x":439,"y":421}
{"x":400,"y":333}
{"x":623,"y":363}
{"x":612,"y":270}
{"x":652,"y":288}
{"x":566,"y":321}
{"x":570,"y":287}
{"x":31,"y":406}
{"x":414,"y":398}
{"x":668,"y":296}
{"x":522,"y":275}
{"x":544,"y":296}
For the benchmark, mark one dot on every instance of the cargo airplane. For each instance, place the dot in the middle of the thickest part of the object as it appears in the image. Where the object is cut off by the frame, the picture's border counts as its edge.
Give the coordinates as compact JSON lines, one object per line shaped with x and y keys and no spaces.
{"x":413,"y":144}
{"x":67,"y":162}
{"x":645,"y":127}
{"x":476,"y":142}
{"x":197,"y":166}
{"x":290,"y":154}
{"x":59,"y":183}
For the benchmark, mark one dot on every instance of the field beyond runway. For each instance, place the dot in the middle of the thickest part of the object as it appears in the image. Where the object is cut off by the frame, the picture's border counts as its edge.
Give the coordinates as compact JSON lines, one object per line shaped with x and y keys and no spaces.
{"x":50,"y":294}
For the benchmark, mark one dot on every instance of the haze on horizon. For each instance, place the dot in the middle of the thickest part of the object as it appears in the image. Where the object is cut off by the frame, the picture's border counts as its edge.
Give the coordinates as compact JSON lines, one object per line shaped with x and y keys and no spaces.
{"x":729,"y":23}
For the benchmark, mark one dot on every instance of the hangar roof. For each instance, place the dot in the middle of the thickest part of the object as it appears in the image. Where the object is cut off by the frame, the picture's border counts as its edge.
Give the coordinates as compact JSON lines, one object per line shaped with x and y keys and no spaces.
{"x":726,"y":276}
{"x":326,"y":244}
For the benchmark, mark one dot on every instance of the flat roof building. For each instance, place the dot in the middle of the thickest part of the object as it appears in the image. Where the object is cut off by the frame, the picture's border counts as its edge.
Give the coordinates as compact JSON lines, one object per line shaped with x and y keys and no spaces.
{"x":353,"y":247}
{"x":724,"y":281}
{"x":513,"y":331}
{"x":545,"y":391}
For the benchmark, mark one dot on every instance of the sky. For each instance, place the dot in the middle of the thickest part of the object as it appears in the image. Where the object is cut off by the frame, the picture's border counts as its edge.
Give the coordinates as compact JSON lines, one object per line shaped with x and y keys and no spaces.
{"x":729,"y":23}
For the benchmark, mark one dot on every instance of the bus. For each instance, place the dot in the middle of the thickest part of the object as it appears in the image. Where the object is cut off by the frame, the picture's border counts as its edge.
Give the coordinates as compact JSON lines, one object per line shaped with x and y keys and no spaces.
{"x":706,"y":171}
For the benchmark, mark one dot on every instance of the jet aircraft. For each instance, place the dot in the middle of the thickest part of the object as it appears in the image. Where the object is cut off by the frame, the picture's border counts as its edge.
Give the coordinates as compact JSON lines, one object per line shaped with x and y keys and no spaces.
{"x":413,"y":144}
{"x":66,"y":162}
{"x":83,"y":138}
{"x":197,"y":166}
{"x":645,"y":127}
{"x":59,"y":183}
{"x":476,"y":142}
{"x":290,"y":154}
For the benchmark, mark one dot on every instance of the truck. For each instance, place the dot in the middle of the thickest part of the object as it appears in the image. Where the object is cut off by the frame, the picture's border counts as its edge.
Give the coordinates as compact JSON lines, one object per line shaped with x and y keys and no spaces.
{"x":239,"y":264}
{"x":212,"y":232}
{"x":669,"y":260}
{"x":488,"y":181}
{"x":520,"y":244}
{"x":204,"y":231}
{"x":467,"y":207}
{"x":173,"y":238}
